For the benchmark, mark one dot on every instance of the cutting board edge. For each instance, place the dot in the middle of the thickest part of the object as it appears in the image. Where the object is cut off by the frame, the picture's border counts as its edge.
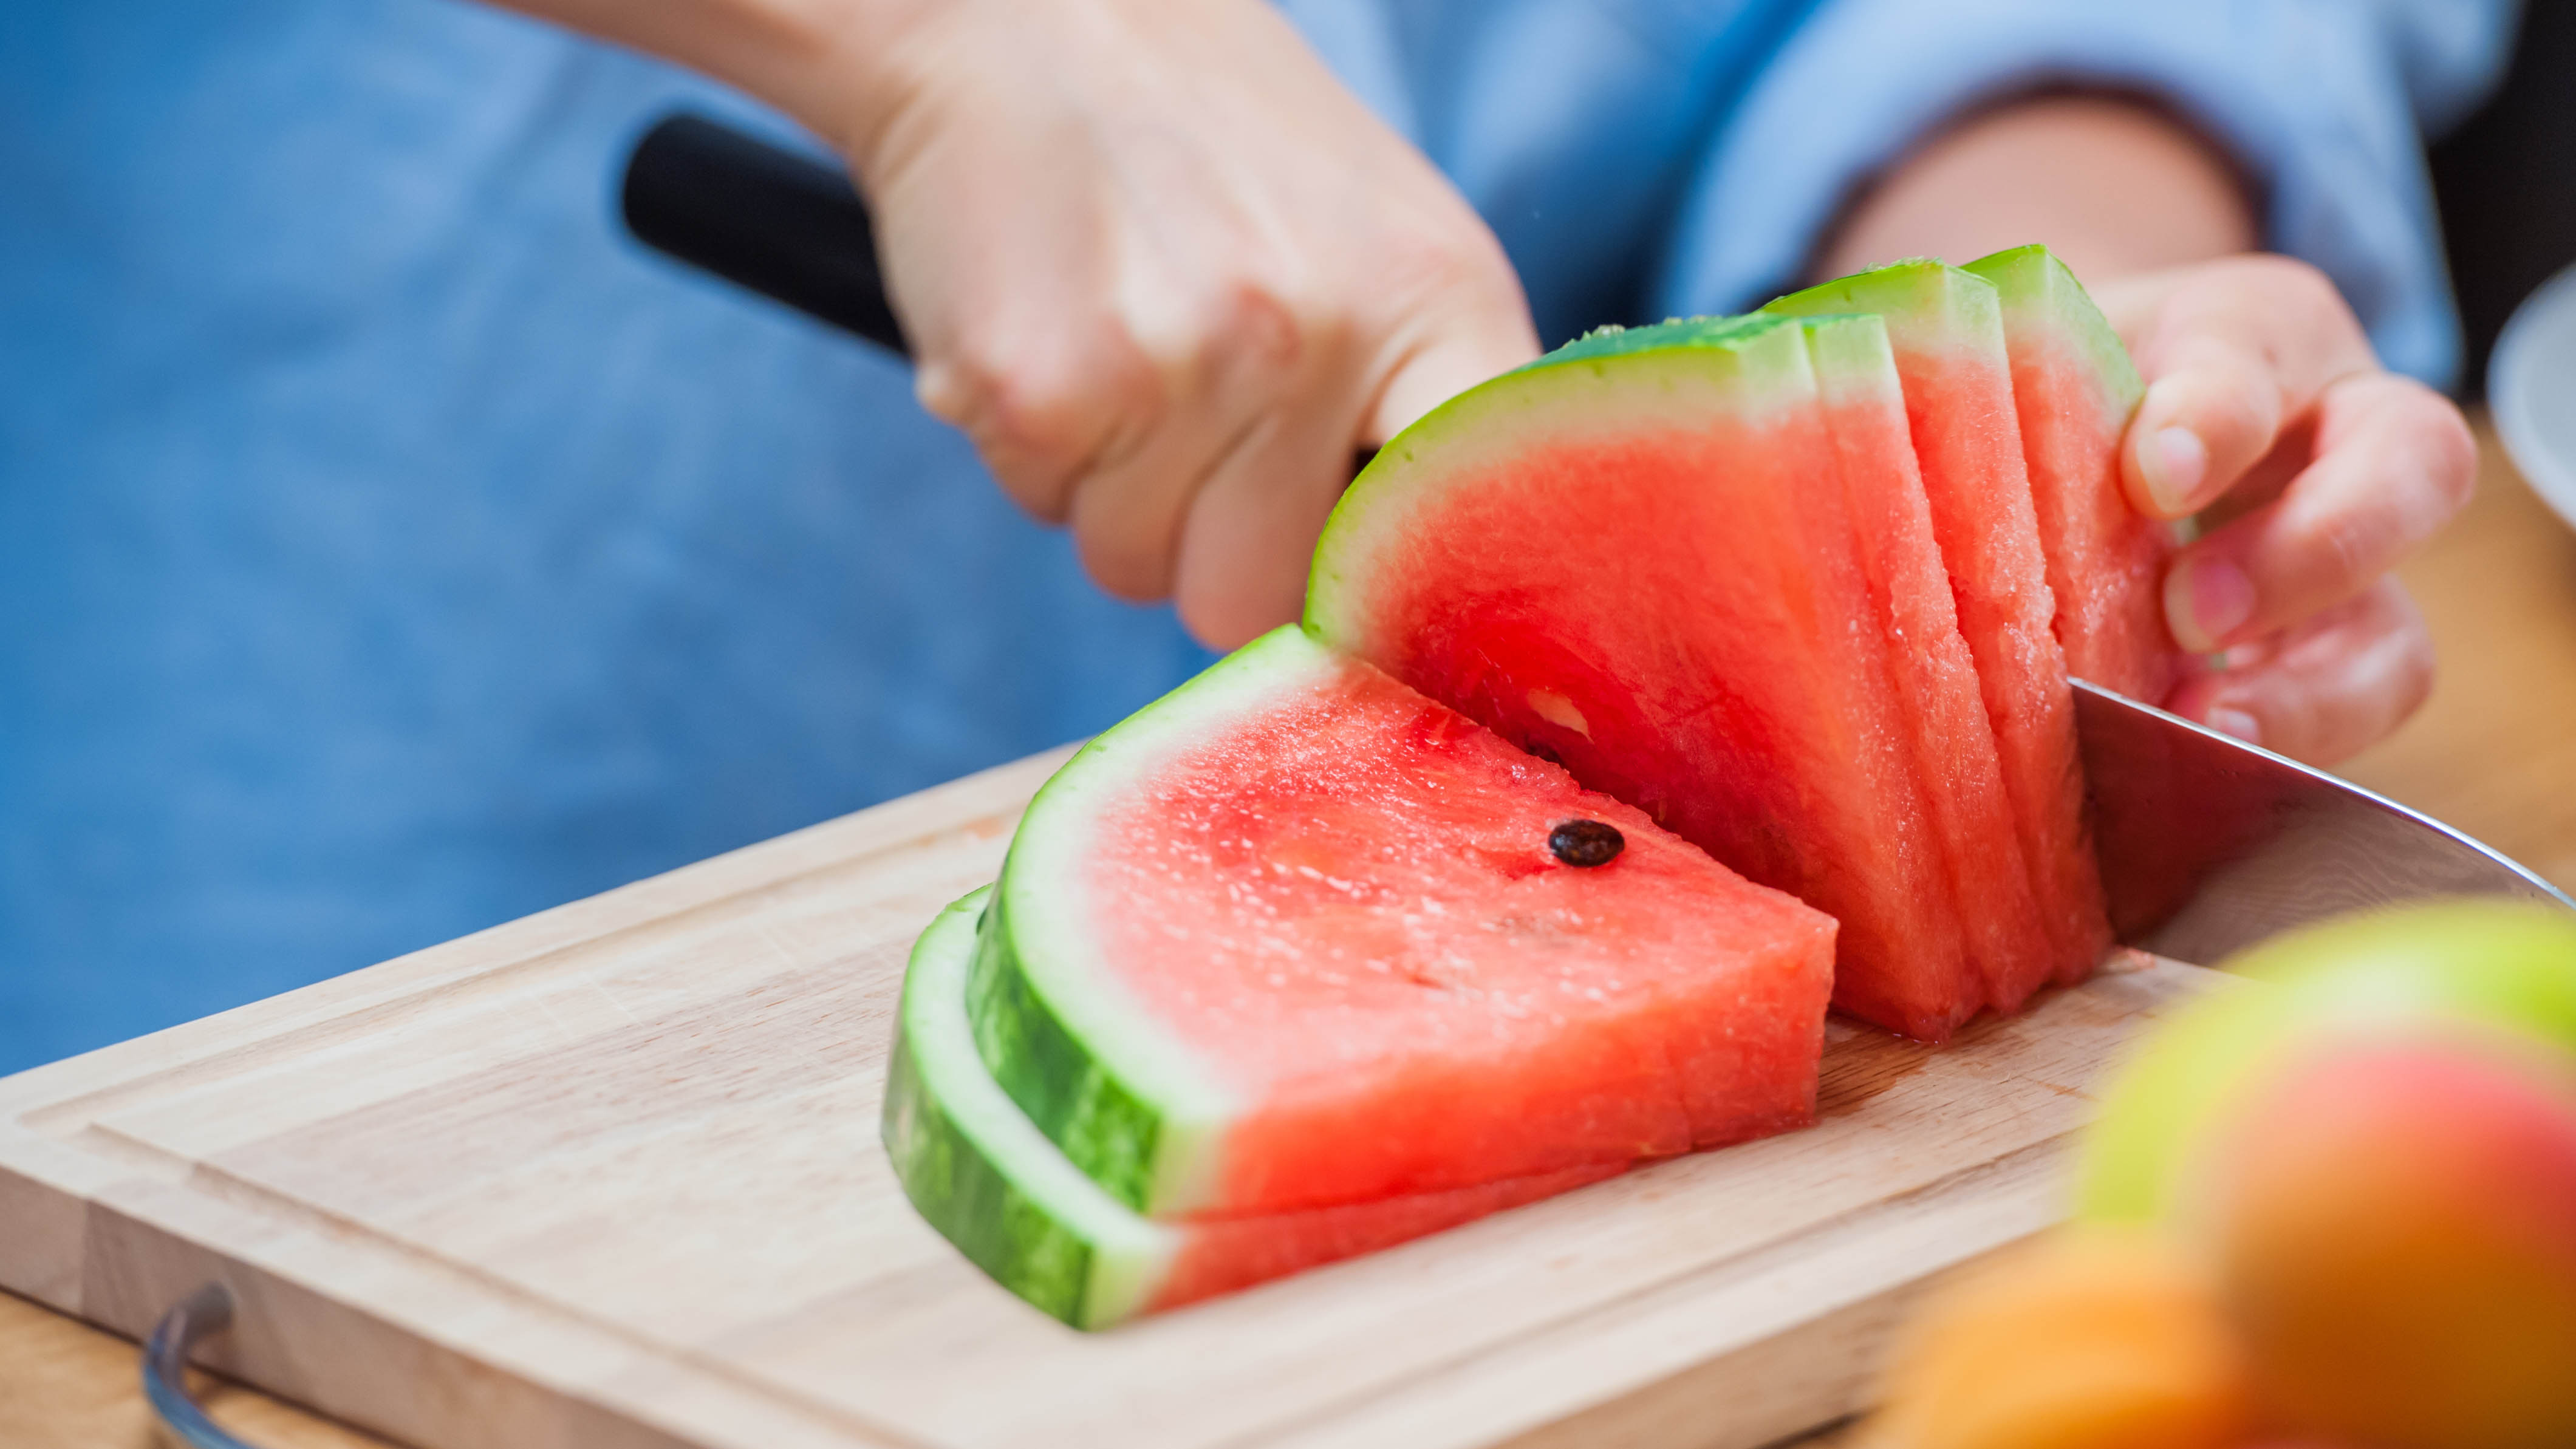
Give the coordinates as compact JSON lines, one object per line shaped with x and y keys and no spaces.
{"x":140,"y":1245}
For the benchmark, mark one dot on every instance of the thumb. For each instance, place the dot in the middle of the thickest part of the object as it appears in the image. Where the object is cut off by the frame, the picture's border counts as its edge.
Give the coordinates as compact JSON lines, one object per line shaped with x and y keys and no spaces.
{"x":1444,"y":365}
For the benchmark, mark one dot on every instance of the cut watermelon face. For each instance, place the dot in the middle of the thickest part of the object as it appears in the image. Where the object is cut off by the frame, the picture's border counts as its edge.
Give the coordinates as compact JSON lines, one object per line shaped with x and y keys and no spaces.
{"x":2075,"y":390}
{"x":983,"y":1175}
{"x":1947,"y":330}
{"x":1297,"y":937}
{"x":1635,"y":556}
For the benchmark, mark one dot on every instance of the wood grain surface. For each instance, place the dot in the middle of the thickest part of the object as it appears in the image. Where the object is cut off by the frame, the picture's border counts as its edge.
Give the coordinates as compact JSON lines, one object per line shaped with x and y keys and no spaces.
{"x":609,"y":1176}
{"x":2492,"y":753}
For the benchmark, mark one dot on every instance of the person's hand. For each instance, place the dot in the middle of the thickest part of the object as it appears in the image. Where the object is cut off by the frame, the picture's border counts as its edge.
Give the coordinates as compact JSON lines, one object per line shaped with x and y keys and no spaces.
{"x":1168,"y":274}
{"x":2266,"y":405}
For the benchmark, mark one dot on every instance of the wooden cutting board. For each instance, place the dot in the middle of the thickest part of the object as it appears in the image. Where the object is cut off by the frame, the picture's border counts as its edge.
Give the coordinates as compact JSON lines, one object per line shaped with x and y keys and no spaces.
{"x":609,"y":1176}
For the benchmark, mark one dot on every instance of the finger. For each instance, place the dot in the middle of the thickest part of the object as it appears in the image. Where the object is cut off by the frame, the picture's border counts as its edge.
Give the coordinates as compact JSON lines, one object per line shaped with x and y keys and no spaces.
{"x":1018,"y":332}
{"x":2328,"y":688}
{"x":1250,"y":532}
{"x":1250,"y":536}
{"x":1044,"y":408}
{"x":1488,"y":332}
{"x":2394,"y":461}
{"x":2231,"y":355}
{"x":1240,"y":353}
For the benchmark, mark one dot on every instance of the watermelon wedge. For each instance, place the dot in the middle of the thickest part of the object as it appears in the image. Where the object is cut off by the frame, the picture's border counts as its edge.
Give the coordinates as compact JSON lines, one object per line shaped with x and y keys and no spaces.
{"x":1947,"y":329}
{"x":2074,"y":390}
{"x":992,"y":1184}
{"x":1634,"y":556}
{"x":1938,"y":692}
{"x":1297,"y":937}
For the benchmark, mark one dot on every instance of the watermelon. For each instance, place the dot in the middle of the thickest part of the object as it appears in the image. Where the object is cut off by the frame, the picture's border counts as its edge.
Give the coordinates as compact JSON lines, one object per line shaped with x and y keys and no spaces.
{"x":2074,"y":390}
{"x":1633,"y":556}
{"x":1297,"y":937}
{"x":991,"y":1183}
{"x":1953,"y":745}
{"x":1947,"y":329}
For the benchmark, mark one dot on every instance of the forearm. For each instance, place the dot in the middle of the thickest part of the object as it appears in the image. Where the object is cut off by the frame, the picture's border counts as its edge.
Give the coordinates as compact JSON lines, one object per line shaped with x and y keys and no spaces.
{"x":837,"y":66}
{"x":2111,"y":185}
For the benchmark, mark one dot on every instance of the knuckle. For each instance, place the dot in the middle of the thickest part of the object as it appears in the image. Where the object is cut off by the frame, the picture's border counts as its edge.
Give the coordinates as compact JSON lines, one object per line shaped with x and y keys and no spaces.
{"x":1123,"y":564}
{"x":1441,"y":260}
{"x":1259,"y":320}
{"x":1039,"y":413}
{"x":2352,"y":548}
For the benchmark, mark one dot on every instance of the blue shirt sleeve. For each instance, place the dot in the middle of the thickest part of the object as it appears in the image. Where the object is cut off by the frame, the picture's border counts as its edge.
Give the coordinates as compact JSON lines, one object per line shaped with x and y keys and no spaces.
{"x":2324,"y":102}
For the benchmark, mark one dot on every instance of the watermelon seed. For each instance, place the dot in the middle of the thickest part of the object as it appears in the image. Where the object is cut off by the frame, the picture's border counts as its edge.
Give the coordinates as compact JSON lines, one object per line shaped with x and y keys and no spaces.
{"x":1540,"y":749}
{"x":1586,"y":842}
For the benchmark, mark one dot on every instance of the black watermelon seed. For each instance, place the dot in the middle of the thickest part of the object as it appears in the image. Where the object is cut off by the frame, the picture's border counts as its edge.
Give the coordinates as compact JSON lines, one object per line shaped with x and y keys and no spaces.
{"x":1540,"y":749}
{"x":1586,"y":842}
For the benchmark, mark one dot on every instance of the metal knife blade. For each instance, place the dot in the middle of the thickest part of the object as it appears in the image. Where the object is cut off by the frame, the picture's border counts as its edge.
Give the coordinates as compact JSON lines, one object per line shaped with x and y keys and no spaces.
{"x":2209,"y":844}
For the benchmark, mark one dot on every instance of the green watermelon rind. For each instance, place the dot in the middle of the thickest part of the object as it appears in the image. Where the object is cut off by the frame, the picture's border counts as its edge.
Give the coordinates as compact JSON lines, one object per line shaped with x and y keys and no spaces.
{"x":2030,"y":282}
{"x":983,"y":1175}
{"x":1918,"y":286}
{"x":1136,"y":1107}
{"x":1604,"y":381}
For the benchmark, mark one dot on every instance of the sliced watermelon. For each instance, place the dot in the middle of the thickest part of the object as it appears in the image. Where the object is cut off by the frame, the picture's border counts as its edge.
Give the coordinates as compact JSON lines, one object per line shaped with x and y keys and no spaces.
{"x":1935,"y":676}
{"x":1947,"y":328}
{"x":1296,"y":936}
{"x":992,"y":1184}
{"x":1632,"y":556}
{"x":2075,"y":389}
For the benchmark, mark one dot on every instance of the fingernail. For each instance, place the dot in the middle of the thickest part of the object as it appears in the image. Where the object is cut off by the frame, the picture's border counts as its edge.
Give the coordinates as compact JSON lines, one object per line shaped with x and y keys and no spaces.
{"x":2205,"y":599}
{"x":2173,"y":461}
{"x":2235,"y":722}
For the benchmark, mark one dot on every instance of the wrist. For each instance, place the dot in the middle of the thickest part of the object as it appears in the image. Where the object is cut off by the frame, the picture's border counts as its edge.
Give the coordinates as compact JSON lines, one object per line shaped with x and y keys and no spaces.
{"x":2112,"y":184}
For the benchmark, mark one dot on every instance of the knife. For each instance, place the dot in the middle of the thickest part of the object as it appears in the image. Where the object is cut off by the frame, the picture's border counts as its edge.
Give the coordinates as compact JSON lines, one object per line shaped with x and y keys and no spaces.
{"x":2207,"y":844}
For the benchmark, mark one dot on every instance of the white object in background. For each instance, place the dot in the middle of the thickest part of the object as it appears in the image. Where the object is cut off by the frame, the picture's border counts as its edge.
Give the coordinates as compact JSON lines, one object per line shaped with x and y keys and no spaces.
{"x":2531,"y":386}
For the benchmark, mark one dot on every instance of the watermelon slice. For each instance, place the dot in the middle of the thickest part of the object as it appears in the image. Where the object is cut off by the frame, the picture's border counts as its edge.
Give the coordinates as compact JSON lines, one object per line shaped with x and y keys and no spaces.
{"x":992,"y":1184}
{"x":1947,"y":328}
{"x":2075,"y":389}
{"x":1633,"y":556}
{"x":1935,"y":676}
{"x":1296,"y":936}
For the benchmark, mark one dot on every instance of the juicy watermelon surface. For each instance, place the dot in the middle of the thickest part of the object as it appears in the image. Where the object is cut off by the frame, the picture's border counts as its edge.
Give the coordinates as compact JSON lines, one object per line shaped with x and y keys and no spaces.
{"x":1634,"y":557}
{"x":983,"y":1175}
{"x":1946,"y":327}
{"x":2074,"y":390}
{"x":1336,"y":900}
{"x":1938,"y":692}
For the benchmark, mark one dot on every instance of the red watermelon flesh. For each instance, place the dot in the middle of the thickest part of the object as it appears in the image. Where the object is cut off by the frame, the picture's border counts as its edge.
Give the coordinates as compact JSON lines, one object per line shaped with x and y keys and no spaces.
{"x":1947,"y":330}
{"x":2075,"y":390}
{"x":1295,"y":937}
{"x":1635,"y":556}
{"x":1935,"y":676}
{"x":1220,"y":1255}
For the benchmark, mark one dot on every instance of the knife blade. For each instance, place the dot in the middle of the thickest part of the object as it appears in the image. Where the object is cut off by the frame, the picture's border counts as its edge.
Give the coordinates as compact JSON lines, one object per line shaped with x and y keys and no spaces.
{"x":2207,"y":844}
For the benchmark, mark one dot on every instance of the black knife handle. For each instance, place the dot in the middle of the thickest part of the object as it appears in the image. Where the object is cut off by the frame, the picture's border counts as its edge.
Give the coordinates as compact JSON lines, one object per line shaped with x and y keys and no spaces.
{"x":762,"y":217}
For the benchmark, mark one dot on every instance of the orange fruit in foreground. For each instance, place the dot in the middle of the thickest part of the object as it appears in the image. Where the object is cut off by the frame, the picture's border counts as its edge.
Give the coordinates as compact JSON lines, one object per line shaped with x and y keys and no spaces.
{"x":2087,"y":1339}
{"x":2397,"y":1224}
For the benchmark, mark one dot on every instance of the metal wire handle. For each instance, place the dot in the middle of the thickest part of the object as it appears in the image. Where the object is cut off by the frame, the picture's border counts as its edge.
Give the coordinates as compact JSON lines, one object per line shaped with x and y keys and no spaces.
{"x":199,"y":1316}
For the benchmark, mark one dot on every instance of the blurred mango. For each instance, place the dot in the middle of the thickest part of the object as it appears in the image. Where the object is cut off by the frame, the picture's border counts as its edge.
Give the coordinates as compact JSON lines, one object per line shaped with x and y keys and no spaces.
{"x":2489,"y":968}
{"x":2395,"y":1225}
{"x":2334,"y":1205}
{"x":2101,"y":1339}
